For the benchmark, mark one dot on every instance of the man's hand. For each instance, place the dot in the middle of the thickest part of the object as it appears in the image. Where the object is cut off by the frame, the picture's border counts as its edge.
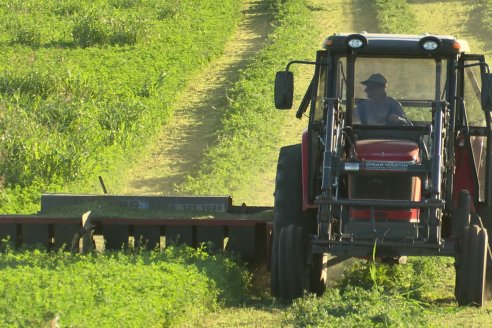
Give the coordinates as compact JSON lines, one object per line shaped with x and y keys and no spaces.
{"x":393,"y":118}
{"x":398,"y":120}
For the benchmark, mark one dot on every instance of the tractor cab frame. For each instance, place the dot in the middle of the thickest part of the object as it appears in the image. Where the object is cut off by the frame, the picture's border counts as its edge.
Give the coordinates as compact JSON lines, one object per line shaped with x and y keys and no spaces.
{"x":416,"y":189}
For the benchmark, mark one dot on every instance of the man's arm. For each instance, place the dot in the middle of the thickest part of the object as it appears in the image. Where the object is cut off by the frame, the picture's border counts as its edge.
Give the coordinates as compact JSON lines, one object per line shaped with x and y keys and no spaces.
{"x":356,"y":115}
{"x":397,"y":115}
{"x":360,"y":112}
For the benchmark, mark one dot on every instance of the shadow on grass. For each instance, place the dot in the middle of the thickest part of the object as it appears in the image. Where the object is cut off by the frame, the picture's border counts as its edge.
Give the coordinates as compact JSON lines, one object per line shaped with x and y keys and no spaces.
{"x":475,"y":27}
{"x":432,"y":1}
{"x":364,"y":13}
{"x":314,"y":8}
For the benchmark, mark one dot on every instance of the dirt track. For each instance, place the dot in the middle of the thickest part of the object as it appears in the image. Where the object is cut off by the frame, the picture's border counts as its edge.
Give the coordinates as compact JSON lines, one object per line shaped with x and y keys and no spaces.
{"x":331,"y":16}
{"x":180,"y":146}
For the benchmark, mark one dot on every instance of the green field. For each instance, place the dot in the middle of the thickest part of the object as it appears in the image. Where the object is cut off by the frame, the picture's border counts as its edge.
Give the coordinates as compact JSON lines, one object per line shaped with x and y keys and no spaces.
{"x":85,"y":86}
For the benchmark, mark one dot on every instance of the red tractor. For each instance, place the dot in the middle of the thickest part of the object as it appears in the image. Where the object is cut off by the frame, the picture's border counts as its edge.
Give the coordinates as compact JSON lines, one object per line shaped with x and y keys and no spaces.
{"x":402,"y":171}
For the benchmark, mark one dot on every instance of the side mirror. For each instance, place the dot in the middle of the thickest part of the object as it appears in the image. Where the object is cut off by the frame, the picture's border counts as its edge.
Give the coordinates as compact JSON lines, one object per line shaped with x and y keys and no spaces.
{"x":284,"y":90}
{"x":486,"y":94}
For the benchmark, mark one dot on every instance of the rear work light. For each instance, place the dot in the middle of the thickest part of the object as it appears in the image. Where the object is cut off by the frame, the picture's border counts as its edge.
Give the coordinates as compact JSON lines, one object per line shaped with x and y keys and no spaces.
{"x":327,"y":43}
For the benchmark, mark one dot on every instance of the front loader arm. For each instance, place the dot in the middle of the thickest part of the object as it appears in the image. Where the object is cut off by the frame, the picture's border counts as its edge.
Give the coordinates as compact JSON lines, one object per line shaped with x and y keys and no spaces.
{"x":306,"y":100}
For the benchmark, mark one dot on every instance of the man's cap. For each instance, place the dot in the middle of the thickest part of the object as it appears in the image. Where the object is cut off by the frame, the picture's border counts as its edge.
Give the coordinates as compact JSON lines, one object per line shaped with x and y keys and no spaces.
{"x":376,"y":79}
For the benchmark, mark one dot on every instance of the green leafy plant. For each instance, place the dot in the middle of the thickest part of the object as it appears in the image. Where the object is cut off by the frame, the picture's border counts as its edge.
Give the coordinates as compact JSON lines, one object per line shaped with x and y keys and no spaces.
{"x":372,"y":294}
{"x":151,"y":288}
{"x":373,"y":267}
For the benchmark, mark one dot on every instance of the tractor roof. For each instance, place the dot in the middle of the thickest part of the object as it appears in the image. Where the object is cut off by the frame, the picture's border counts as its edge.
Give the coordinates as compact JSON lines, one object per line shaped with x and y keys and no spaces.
{"x":423,"y":45}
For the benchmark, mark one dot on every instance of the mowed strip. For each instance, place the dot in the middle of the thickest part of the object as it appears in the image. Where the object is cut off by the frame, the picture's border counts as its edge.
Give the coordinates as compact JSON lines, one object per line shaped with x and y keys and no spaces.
{"x":180,"y":145}
{"x":460,"y":18}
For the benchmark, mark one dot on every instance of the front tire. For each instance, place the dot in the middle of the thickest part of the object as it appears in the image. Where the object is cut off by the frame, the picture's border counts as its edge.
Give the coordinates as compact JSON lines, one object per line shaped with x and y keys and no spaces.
{"x":291,"y":229}
{"x":471,"y":266}
{"x":293,"y":272}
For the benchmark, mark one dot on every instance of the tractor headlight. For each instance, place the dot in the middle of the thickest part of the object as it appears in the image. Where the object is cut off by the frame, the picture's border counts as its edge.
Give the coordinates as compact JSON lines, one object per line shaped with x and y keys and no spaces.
{"x":430,"y":43}
{"x":356,"y":41}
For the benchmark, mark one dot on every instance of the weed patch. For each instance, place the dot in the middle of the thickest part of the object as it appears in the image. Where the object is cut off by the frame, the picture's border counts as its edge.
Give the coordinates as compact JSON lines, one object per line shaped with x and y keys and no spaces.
{"x":391,"y":296}
{"x":355,"y":307}
{"x":96,"y":29}
{"x":148,"y":289}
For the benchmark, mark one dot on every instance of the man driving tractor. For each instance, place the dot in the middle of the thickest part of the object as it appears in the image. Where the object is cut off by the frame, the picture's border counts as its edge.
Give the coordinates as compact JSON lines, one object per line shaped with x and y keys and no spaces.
{"x":379,"y":109}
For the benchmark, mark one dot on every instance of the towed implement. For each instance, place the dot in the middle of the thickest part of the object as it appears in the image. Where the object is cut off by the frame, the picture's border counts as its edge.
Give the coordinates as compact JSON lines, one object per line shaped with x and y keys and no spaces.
{"x":396,"y":159}
{"x":114,"y":222}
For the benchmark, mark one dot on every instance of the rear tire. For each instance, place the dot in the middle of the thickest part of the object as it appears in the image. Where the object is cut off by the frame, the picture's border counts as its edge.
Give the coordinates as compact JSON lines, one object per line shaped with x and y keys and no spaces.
{"x":274,"y":279}
{"x":461,"y":215}
{"x":461,"y":282}
{"x":479,"y":241}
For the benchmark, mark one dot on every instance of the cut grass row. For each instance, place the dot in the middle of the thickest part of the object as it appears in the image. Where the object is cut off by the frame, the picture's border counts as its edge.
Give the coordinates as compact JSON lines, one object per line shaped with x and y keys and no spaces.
{"x":394,"y":16}
{"x":250,"y":124}
{"x":378,"y":295}
{"x":84,"y":84}
{"x":145,"y":289}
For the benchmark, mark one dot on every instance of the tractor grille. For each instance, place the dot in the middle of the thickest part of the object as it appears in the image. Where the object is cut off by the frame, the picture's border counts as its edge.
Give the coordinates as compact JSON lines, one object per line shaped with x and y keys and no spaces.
{"x":389,"y":186}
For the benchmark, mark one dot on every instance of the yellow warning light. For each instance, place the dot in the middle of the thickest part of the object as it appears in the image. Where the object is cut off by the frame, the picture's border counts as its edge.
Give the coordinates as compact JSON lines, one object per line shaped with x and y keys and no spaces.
{"x":327,"y":43}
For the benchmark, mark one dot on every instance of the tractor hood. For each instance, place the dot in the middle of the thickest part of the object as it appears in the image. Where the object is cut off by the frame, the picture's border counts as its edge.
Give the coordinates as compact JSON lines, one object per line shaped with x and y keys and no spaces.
{"x":387,"y":150}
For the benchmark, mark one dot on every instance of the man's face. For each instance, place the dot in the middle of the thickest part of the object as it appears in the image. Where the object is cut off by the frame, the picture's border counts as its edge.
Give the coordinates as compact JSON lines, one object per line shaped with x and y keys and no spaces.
{"x":375,"y":90}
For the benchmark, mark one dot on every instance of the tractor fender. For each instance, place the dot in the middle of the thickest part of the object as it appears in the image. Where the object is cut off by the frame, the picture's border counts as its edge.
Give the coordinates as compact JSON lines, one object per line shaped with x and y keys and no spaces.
{"x":464,"y":178}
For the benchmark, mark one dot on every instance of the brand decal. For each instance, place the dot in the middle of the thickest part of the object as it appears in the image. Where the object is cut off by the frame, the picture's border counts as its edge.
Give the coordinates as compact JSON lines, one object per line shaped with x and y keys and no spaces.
{"x":384,"y":166}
